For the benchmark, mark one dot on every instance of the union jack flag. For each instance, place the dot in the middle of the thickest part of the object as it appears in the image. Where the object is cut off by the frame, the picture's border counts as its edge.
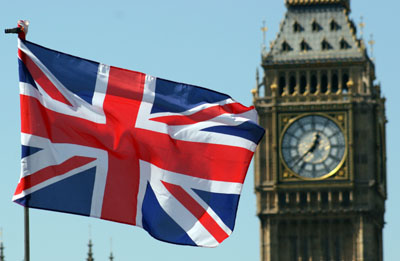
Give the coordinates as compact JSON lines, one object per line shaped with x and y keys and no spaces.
{"x":125,"y":146}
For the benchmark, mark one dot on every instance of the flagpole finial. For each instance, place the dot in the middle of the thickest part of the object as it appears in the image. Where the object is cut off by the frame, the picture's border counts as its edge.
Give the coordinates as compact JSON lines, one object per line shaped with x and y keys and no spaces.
{"x":21,"y":29}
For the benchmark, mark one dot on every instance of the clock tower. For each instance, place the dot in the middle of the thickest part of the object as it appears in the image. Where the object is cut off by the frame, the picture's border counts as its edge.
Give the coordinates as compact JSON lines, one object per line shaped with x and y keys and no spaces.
{"x":320,"y":170}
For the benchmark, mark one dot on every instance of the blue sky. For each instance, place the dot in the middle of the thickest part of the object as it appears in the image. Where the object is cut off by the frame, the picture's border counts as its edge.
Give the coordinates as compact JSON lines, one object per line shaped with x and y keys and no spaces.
{"x":215,"y":44}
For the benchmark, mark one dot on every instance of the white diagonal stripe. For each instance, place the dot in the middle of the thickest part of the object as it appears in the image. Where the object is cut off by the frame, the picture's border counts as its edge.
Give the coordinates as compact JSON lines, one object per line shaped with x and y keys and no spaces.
{"x":80,"y":108}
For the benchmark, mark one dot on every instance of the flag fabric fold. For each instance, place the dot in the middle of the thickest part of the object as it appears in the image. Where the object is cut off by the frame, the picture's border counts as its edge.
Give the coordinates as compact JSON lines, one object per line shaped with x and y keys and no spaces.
{"x":125,"y":146}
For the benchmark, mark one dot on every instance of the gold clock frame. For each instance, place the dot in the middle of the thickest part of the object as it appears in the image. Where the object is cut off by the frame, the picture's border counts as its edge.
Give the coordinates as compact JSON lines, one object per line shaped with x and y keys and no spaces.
{"x":287,"y":119}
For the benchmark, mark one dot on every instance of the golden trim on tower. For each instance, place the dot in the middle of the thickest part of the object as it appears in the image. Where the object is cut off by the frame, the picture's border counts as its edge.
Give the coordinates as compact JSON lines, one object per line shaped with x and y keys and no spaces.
{"x":310,"y":2}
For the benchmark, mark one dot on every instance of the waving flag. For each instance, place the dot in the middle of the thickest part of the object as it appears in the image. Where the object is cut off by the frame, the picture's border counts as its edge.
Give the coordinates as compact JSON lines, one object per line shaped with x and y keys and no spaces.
{"x":128,"y":147}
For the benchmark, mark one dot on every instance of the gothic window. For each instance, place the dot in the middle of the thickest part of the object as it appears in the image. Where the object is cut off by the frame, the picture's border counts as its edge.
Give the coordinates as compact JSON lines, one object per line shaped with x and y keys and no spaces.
{"x":334,"y":25}
{"x":314,"y":83}
{"x":315,"y":26}
{"x":292,"y":84}
{"x":286,"y":47}
{"x":324,"y":83}
{"x":344,"y":44}
{"x":297,"y":27}
{"x":335,"y":83}
{"x":282,"y":84}
{"x":303,"y":84}
{"x":325,"y":45}
{"x":304,"y":46}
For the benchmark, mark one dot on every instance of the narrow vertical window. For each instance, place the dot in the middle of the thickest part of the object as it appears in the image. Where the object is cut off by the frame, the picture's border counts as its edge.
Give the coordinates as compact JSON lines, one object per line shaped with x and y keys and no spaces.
{"x":324,"y":83}
{"x":282,"y":84}
{"x":292,"y":84}
{"x":303,"y":84}
{"x":314,"y":82}
{"x":345,"y":80}
{"x":335,"y":83}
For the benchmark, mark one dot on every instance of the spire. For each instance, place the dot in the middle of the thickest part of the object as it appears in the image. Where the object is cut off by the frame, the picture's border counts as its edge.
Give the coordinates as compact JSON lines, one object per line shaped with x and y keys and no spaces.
{"x":361,"y":25}
{"x":111,"y":254}
{"x":264,"y":30}
{"x":1,"y":252}
{"x":90,"y":253}
{"x":1,"y":245}
{"x":371,"y":42}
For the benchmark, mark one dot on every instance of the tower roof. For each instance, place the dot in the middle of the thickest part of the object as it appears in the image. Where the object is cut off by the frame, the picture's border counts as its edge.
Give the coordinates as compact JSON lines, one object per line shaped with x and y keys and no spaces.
{"x":315,"y":31}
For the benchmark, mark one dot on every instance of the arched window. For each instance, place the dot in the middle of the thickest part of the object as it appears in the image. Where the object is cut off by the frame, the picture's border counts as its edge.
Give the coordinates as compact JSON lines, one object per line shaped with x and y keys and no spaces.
{"x":282,"y":84}
{"x":292,"y":84}
{"x":324,"y":83}
{"x":335,"y":83}
{"x":303,"y":84}
{"x":345,"y":80}
{"x":314,"y":83}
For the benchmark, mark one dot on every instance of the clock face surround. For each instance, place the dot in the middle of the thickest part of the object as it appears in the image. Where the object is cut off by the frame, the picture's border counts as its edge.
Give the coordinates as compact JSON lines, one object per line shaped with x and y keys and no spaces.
{"x":313,"y":146}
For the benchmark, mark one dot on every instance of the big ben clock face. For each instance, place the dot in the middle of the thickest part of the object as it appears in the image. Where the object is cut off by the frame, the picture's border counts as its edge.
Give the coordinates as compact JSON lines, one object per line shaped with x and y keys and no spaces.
{"x":313,"y":146}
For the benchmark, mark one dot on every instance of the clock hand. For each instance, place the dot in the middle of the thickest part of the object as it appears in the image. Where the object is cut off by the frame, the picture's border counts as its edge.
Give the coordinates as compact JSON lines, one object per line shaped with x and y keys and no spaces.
{"x":316,"y":141}
{"x":302,"y":157}
{"x":317,"y":138}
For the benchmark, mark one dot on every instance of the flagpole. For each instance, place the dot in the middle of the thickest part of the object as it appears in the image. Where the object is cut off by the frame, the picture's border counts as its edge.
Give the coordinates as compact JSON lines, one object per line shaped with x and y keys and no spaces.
{"x":26,"y":234}
{"x":22,"y":30}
